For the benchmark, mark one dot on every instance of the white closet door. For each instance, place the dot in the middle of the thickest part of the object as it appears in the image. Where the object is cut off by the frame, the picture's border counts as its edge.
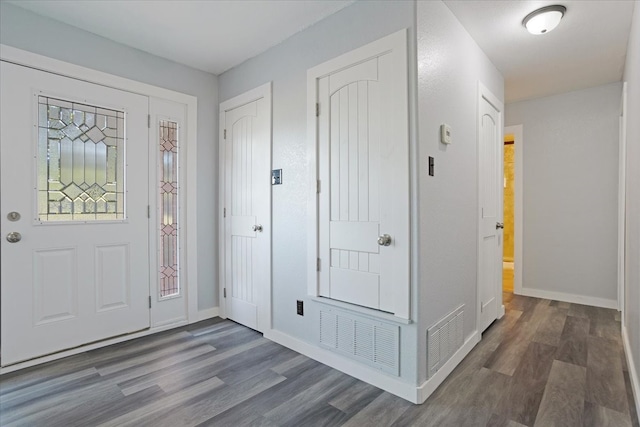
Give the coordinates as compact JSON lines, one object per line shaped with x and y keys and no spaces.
{"x":363,"y":228}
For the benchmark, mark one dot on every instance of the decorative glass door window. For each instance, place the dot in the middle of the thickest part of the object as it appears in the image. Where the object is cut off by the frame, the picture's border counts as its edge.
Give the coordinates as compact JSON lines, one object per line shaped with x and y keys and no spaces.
{"x":168,"y":184}
{"x":80,"y":163}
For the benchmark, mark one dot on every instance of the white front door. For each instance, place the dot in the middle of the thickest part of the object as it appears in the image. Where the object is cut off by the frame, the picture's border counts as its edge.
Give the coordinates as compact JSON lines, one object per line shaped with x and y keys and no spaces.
{"x":491,"y":189}
{"x":363,"y":168}
{"x":246,"y":128}
{"x":74,"y":181}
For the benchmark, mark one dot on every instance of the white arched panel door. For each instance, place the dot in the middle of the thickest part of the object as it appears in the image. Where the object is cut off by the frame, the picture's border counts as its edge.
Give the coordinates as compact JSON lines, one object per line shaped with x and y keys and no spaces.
{"x":246,"y":175}
{"x":490,"y":170}
{"x":363,"y":171}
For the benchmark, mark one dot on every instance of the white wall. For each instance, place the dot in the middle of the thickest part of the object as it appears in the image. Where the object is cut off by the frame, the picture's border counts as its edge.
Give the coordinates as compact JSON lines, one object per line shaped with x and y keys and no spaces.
{"x":286,"y":65}
{"x":450,"y":64}
{"x":570,"y":192}
{"x":632,"y":274}
{"x":28,"y":31}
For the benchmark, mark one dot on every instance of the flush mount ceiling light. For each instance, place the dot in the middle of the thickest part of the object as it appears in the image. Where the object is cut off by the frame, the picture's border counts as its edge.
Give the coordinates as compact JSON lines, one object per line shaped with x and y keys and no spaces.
{"x":543,"y":20}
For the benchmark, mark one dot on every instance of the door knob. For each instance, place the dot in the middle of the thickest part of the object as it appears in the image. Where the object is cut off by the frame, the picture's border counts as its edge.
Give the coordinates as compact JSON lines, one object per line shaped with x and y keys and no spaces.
{"x":14,"y":237}
{"x":499,"y":225}
{"x":384,"y":240}
{"x":257,"y":227}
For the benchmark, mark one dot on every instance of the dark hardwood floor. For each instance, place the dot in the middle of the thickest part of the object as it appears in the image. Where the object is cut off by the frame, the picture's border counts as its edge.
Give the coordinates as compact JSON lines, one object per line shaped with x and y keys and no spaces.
{"x":545,"y":363}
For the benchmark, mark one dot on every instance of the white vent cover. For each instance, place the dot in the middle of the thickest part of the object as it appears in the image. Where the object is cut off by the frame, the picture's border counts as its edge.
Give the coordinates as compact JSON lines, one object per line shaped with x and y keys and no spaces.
{"x":444,"y":339}
{"x":372,"y":342}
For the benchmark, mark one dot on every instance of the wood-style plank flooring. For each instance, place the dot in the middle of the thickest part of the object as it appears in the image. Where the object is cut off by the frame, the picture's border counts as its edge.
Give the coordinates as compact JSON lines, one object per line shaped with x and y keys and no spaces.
{"x":546,"y":363}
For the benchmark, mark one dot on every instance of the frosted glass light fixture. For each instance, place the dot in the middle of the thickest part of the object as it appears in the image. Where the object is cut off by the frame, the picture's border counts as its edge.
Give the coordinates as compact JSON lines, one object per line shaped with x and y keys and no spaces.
{"x":543,"y":20}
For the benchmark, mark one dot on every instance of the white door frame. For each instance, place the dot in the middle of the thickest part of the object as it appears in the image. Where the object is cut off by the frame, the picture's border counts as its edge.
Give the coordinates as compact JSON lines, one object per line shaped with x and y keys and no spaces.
{"x":485,"y":93}
{"x":518,"y":213}
{"x":190,"y":233}
{"x":622,"y":195}
{"x":264,"y":312}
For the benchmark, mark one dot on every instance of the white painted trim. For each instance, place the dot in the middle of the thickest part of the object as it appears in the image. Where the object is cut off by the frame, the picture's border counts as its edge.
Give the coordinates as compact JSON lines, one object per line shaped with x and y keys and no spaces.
{"x":633,"y":374}
{"x":89,"y":347}
{"x":264,"y":305}
{"x":364,"y":373}
{"x":622,"y":195}
{"x":208,"y":313}
{"x":43,"y":63}
{"x":572,"y":298}
{"x":429,"y":386}
{"x":518,"y":141}
{"x":485,"y":93}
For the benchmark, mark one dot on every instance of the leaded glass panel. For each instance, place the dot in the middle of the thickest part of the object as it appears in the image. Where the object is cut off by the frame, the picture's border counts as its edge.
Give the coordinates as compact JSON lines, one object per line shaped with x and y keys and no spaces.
{"x":80,"y":161}
{"x":168,"y":191}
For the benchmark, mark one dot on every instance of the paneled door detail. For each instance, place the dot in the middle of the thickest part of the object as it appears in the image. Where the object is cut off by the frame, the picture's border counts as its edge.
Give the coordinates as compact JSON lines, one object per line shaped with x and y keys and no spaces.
{"x":491,"y":187}
{"x":247,"y":223}
{"x":75,"y":263}
{"x":363,"y":228}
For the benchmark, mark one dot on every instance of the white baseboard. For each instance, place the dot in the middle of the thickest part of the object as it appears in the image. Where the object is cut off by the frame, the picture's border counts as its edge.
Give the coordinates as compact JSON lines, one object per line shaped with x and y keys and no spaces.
{"x":429,"y":386}
{"x":633,"y":374}
{"x":208,"y":313}
{"x":561,"y":296}
{"x":392,"y":385}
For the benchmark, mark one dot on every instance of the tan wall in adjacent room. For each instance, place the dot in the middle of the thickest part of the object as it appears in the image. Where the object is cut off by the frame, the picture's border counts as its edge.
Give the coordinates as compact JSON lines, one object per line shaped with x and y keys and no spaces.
{"x":509,"y":159}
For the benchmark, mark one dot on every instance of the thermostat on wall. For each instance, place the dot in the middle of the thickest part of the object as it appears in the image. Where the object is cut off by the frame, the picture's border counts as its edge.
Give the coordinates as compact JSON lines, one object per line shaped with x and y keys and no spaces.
{"x":445,"y":134}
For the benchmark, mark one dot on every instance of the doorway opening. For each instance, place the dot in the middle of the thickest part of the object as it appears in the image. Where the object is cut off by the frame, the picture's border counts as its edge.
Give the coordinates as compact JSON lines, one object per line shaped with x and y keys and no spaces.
{"x":509,"y":214}
{"x":512,"y":265}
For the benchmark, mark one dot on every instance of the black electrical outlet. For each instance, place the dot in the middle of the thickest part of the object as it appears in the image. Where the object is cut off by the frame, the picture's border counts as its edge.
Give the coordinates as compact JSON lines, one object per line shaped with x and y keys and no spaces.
{"x":300,"y":307}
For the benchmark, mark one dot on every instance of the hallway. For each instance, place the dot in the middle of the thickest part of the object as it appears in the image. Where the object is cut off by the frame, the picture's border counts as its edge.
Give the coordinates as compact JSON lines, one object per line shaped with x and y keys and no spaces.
{"x":545,"y":363}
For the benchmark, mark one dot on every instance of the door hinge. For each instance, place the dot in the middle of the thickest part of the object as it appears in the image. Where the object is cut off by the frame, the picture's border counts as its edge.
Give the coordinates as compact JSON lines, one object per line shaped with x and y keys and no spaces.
{"x":318,"y":186}
{"x":148,"y":211}
{"x":149,"y":121}
{"x":224,"y":213}
{"x":481,"y":306}
{"x":224,"y":134}
{"x":149,"y":301}
{"x":224,"y":292}
{"x":318,"y":264}
{"x":317,"y":109}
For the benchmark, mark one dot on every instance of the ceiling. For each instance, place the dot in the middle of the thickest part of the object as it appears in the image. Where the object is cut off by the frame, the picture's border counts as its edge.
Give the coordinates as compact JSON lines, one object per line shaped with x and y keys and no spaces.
{"x":587,"y":49}
{"x":212,"y":36}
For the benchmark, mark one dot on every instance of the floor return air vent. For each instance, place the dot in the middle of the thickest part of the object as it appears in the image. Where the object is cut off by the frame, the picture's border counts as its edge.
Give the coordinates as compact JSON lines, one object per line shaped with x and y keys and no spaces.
{"x":369,"y":341}
{"x":444,"y":339}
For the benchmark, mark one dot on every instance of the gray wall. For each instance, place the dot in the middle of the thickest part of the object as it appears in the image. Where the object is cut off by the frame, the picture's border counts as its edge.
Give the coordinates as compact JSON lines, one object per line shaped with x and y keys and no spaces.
{"x":570,"y":191}
{"x":286,"y":65}
{"x":632,"y":291}
{"x":28,"y":31}
{"x":450,"y":64}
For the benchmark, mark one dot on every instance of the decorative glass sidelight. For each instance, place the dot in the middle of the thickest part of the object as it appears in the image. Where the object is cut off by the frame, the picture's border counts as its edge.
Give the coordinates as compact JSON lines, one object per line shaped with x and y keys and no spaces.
{"x":80,"y":162}
{"x":168,"y":184}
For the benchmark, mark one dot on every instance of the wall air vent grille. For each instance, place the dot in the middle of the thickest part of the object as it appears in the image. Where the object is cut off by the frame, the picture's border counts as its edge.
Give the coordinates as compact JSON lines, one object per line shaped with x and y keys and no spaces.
{"x":369,"y":341}
{"x":444,"y":339}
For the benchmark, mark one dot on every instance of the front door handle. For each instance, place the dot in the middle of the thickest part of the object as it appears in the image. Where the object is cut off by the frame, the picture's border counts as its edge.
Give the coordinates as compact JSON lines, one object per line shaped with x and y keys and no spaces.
{"x":14,"y":237}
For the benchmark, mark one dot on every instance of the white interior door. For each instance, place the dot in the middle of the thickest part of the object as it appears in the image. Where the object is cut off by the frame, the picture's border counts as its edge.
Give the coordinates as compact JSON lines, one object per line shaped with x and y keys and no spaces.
{"x":363,"y":153}
{"x":490,"y":224}
{"x":75,"y":266}
{"x":246,"y":124}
